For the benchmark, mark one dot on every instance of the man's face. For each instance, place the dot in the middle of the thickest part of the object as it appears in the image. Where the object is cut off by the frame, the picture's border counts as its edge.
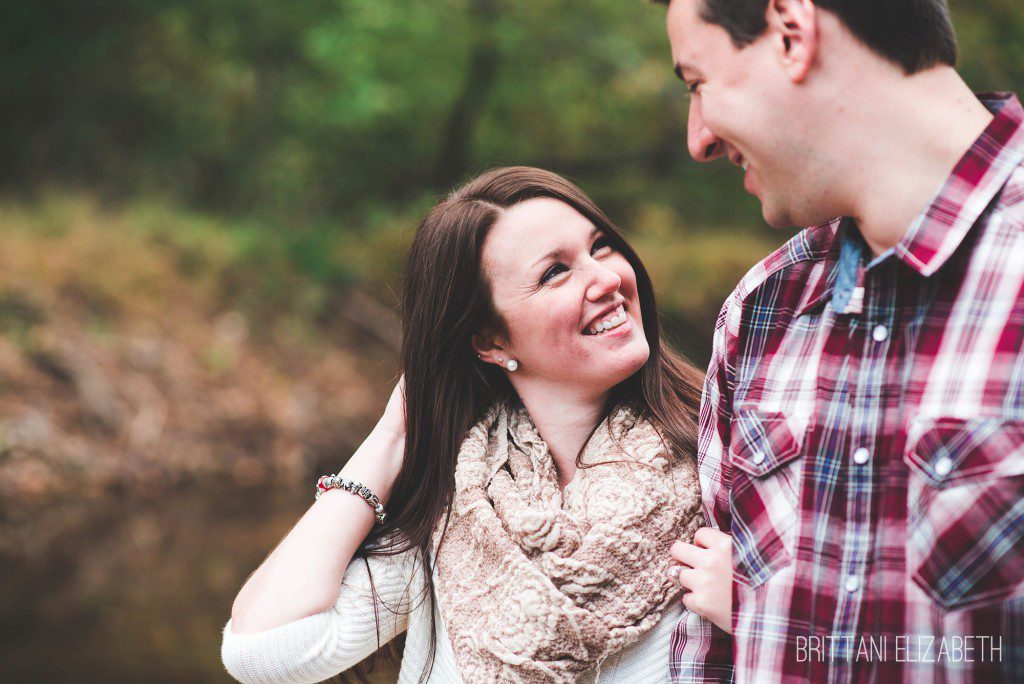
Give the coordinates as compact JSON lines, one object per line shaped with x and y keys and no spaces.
{"x":739,"y":110}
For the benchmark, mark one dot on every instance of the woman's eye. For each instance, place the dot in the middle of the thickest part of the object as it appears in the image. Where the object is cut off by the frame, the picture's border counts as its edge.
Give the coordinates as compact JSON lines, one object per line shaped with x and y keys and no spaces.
{"x":602,"y":245}
{"x":552,"y":272}
{"x":693,"y":86}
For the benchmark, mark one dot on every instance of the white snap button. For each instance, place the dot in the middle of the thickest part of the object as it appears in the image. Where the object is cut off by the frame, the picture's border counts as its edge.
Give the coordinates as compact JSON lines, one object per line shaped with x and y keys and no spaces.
{"x":758,"y":458}
{"x":880,"y":333}
{"x":861,"y":456}
{"x":943,"y":466}
{"x":852,"y":583}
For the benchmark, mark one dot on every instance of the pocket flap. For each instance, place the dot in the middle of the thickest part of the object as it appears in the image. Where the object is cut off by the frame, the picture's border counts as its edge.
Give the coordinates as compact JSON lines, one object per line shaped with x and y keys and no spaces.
{"x":762,"y":441}
{"x":954,"y":451}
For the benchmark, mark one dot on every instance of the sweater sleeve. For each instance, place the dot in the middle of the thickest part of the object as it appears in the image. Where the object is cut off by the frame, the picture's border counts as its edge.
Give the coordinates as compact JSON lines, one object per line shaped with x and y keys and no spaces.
{"x":320,"y":646}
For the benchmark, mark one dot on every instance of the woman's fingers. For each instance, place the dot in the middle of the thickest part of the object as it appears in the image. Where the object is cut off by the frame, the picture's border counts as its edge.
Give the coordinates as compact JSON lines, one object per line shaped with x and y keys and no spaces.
{"x":709,"y":538}
{"x":694,"y":602}
{"x":705,"y":572}
{"x":686,"y":578}
{"x":687,"y":554}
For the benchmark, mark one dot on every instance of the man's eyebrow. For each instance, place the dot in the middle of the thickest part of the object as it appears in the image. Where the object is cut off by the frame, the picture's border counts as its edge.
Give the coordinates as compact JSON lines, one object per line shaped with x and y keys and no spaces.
{"x":682,"y":66}
{"x":558,"y":252}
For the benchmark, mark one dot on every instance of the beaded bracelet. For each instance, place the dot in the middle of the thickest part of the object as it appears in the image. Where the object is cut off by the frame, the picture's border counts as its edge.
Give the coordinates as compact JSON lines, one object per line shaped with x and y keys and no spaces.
{"x":337,"y":482}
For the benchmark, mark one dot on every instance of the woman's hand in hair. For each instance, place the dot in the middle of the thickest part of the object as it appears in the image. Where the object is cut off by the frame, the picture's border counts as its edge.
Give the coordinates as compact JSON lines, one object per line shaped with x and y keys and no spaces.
{"x":384,"y":449}
{"x":705,"y":572}
{"x":393,"y":419}
{"x":302,"y":576}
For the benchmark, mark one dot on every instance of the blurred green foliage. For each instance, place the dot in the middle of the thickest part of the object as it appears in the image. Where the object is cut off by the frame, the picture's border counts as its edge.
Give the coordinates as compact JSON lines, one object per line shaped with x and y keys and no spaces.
{"x":325,"y":106}
{"x":326,"y":127}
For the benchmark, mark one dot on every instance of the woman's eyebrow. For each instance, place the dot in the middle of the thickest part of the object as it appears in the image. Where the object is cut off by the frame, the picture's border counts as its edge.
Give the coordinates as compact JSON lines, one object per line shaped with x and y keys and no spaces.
{"x":553,"y":254}
{"x":558,"y":252}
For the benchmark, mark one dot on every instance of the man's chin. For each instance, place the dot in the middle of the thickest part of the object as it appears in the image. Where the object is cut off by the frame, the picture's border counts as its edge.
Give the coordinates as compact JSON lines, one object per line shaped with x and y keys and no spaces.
{"x":775,"y":216}
{"x":778,"y":216}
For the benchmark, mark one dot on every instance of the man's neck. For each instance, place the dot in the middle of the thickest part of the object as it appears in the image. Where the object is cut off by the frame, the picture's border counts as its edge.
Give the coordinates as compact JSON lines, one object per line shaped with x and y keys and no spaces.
{"x":564,"y":419}
{"x":904,"y":141}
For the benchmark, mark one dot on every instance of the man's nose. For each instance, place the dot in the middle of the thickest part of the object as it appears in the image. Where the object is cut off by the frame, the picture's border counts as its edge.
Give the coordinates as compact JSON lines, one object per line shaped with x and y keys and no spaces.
{"x":703,"y":144}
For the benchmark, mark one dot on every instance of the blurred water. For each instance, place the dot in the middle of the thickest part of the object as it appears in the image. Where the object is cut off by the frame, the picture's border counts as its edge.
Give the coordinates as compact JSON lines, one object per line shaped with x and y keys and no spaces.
{"x":106,"y":591}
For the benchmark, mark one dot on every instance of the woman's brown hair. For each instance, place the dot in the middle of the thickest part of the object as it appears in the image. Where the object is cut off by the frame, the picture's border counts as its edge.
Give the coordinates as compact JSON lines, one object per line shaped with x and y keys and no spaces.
{"x":445,"y":301}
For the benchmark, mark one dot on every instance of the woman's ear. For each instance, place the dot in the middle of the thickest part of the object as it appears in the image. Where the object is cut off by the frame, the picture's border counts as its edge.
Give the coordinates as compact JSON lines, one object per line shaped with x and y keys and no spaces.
{"x":488,"y":348}
{"x":793,"y":25}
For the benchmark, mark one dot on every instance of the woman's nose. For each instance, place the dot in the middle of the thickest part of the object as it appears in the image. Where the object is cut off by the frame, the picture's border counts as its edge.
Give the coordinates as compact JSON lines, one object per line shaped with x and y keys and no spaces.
{"x":605,"y":281}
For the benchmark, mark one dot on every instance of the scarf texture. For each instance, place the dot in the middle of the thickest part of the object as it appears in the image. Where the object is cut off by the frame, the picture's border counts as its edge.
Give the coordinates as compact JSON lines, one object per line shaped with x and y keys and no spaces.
{"x":539,"y":586}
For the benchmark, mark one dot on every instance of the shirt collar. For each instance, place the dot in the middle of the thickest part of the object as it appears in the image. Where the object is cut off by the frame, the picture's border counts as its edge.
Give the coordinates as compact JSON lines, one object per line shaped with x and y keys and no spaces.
{"x":976,"y":179}
{"x":938,"y":230}
{"x":822,"y":289}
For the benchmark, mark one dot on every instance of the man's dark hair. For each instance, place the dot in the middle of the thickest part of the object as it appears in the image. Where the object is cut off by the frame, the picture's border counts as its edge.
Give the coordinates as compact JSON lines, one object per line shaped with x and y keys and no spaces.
{"x":916,"y":34}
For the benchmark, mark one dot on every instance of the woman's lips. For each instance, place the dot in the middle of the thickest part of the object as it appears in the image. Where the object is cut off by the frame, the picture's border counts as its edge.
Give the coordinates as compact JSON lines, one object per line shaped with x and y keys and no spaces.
{"x":607,"y":321}
{"x":618,"y":331}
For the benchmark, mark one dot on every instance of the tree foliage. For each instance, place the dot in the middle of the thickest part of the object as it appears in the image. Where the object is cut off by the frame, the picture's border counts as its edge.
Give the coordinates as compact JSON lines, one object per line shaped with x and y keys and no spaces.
{"x":336,"y":121}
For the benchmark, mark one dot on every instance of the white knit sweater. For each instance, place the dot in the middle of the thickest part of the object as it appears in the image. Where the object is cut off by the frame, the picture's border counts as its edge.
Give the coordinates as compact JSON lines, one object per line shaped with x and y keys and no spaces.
{"x":320,"y":646}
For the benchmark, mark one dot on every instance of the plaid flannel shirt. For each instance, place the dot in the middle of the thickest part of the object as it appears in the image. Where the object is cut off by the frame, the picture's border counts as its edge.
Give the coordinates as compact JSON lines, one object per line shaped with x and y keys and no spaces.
{"x":862,"y":438}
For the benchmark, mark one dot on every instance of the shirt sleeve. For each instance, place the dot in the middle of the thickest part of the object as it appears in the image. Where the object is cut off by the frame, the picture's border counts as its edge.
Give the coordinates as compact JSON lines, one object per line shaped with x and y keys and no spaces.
{"x":378,"y":592}
{"x":713,"y":464}
{"x":701,"y":652}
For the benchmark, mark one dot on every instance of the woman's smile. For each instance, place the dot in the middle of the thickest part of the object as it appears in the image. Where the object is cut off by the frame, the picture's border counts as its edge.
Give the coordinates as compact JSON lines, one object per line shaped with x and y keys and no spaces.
{"x":614,"y":324}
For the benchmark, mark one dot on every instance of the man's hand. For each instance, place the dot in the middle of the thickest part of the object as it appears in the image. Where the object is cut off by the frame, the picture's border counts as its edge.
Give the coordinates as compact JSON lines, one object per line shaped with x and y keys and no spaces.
{"x":705,"y":571}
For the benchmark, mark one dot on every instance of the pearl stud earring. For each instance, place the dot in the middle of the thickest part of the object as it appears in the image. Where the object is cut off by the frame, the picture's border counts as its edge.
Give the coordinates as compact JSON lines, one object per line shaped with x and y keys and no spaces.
{"x":512,"y":365}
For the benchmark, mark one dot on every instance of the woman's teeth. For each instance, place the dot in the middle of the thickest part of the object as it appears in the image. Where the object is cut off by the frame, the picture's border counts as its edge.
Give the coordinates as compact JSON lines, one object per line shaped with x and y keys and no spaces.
{"x":617,"y":318}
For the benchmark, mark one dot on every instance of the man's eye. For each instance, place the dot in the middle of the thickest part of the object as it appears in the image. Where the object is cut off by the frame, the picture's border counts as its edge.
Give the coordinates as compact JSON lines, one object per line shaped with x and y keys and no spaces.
{"x":552,"y":272}
{"x":693,"y":86}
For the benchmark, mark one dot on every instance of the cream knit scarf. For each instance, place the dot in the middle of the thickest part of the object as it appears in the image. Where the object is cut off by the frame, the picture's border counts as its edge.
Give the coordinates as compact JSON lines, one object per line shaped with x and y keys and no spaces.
{"x":537,"y":586}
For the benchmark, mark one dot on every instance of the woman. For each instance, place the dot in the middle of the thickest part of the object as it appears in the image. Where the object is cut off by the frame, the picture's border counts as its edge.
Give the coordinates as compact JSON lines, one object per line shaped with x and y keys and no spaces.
{"x":535,"y":474}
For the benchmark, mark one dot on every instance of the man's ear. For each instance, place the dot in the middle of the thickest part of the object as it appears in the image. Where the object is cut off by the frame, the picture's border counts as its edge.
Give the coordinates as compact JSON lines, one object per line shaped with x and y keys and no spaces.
{"x":488,"y":348}
{"x":793,"y":25}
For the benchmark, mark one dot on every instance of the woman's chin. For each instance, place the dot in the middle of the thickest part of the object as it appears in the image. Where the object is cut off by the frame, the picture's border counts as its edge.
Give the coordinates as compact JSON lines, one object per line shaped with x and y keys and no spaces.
{"x":638,"y":360}
{"x":622,"y":364}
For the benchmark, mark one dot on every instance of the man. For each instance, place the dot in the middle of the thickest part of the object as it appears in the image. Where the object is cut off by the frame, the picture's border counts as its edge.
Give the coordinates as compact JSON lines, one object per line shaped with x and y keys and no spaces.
{"x":862,"y":433}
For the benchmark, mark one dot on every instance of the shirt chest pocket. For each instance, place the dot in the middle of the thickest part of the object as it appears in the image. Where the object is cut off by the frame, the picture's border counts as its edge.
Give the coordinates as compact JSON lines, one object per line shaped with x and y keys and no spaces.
{"x":965,"y":508}
{"x":766,"y":478}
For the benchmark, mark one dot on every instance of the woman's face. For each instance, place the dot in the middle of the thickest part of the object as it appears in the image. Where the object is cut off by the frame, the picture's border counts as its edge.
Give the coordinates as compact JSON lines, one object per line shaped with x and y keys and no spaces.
{"x":568,"y":298}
